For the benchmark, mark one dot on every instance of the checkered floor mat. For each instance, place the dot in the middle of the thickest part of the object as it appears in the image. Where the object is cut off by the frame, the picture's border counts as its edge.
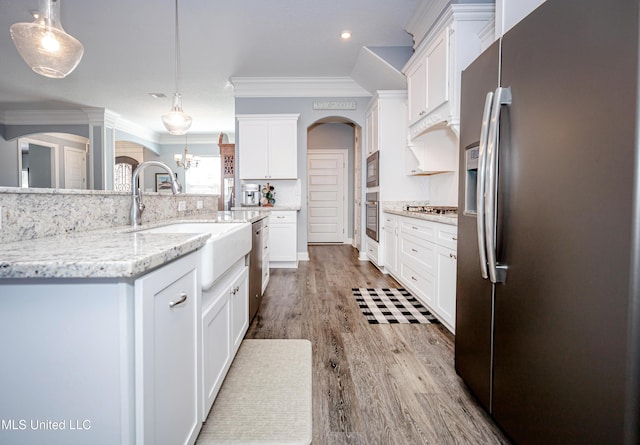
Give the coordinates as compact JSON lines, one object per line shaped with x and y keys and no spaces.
{"x":391,"y":306}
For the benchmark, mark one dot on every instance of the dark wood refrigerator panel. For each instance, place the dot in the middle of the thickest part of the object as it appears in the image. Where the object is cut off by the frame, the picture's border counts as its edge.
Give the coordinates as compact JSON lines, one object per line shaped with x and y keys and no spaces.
{"x":473,"y":294}
{"x":564,"y":203}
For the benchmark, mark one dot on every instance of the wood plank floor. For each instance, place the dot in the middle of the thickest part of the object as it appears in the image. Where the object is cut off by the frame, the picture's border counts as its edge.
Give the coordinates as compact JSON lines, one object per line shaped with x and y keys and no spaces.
{"x":373,"y":384}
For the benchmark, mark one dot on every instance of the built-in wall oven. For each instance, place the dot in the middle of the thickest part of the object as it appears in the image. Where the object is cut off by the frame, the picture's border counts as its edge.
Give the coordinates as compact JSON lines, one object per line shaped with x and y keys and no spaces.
{"x":373,"y":170}
{"x":372,"y":215}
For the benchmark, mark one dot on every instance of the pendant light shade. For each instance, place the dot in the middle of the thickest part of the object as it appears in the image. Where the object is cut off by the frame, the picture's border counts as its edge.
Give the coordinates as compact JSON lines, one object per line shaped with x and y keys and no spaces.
{"x":176,"y":121}
{"x":44,"y":45}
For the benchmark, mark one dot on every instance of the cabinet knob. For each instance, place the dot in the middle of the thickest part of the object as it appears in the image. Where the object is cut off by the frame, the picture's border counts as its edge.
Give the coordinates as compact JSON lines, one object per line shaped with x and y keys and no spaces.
{"x":453,"y":255}
{"x":455,"y":238}
{"x":182,"y":299}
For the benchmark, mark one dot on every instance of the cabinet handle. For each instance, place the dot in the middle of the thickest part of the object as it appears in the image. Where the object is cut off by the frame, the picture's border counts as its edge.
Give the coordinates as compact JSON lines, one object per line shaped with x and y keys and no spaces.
{"x":455,"y":238}
{"x":452,"y":255}
{"x":414,"y":278}
{"x":414,"y":250}
{"x":182,"y":299}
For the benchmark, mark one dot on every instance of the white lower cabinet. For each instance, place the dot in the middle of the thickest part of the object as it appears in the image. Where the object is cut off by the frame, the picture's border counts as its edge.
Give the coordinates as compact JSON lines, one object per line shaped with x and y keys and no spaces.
{"x":446,"y":264}
{"x":390,"y":243}
{"x":283,"y":236}
{"x":225,"y":319}
{"x":168,"y":354}
{"x":129,"y":361}
{"x":266,"y":234}
{"x":425,"y":262}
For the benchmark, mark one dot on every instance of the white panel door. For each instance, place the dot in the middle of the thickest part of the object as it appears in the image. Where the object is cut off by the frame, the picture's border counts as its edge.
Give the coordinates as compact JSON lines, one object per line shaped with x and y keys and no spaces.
{"x":75,"y":168}
{"x":326,"y":197}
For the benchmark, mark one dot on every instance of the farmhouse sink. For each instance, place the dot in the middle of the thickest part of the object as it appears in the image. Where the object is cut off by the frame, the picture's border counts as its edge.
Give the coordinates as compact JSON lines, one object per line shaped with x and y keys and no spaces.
{"x":228,"y":243}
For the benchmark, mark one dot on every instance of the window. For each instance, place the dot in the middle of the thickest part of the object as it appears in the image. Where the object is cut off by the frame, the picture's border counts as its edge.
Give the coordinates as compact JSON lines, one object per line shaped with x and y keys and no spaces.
{"x":205,"y":178}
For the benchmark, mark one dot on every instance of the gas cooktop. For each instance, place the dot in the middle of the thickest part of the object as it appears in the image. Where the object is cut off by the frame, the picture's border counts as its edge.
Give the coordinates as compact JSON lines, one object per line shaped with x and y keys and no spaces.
{"x":436,"y":210}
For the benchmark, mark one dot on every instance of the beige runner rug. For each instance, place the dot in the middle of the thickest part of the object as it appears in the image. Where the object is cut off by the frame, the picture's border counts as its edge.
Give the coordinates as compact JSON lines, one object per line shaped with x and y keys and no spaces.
{"x":265,"y":398}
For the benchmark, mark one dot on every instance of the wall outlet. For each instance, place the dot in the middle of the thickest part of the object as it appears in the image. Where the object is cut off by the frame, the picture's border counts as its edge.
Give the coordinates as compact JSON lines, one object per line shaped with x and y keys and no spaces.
{"x":182,"y":206}
{"x":199,"y":204}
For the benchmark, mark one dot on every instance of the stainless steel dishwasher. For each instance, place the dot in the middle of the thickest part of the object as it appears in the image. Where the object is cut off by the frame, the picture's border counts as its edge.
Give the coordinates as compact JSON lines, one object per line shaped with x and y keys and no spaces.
{"x":255,"y":269}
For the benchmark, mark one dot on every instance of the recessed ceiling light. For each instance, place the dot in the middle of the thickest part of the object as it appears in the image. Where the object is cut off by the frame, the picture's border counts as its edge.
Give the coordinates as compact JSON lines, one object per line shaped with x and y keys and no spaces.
{"x":345,"y":35}
{"x":157,"y":95}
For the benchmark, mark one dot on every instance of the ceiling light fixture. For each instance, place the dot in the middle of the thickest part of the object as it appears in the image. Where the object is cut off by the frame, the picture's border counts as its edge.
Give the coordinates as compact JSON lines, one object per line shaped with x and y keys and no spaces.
{"x":345,"y":35}
{"x":177,"y":121}
{"x":44,"y":45}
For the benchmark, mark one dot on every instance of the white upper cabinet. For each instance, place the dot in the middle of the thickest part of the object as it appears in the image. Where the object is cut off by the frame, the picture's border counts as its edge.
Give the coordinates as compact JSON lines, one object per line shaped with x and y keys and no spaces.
{"x":268,"y":146}
{"x":434,"y":71}
{"x":427,"y":79}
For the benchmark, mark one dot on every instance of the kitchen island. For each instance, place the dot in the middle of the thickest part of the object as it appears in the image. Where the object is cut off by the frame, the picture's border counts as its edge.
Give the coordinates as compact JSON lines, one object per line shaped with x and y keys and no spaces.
{"x":105,"y":332}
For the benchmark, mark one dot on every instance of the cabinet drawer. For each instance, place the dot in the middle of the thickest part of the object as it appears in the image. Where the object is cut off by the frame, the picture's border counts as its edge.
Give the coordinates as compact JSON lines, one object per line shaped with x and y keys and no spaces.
{"x":373,"y":251}
{"x":282,"y":217}
{"x":419,"y":252}
{"x":447,"y":235}
{"x":420,"y":229}
{"x":419,"y":282}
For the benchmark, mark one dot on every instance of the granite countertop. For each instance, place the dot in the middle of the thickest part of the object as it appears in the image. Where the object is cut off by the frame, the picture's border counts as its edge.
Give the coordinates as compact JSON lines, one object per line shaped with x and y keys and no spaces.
{"x":275,"y":208}
{"x":444,"y":219}
{"x":119,"y":252}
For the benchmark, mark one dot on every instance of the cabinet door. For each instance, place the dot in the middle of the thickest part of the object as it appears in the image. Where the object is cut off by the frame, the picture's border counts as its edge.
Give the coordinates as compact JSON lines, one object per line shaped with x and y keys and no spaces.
{"x":168,"y":353}
{"x":216,"y":345}
{"x":283,"y":149}
{"x":390,"y":244}
{"x":253,"y":148}
{"x":239,"y":308}
{"x":437,"y":66}
{"x":417,"y":89}
{"x":283,"y":242}
{"x":446,"y":285}
{"x":372,"y":129}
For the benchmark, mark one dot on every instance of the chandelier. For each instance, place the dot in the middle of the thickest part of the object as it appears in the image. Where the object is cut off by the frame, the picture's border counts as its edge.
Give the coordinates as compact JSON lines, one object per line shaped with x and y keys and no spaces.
{"x":186,"y":160}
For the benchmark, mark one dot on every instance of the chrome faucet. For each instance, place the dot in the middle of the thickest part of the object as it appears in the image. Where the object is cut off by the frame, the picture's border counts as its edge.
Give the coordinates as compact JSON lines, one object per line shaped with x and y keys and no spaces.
{"x":137,"y":207}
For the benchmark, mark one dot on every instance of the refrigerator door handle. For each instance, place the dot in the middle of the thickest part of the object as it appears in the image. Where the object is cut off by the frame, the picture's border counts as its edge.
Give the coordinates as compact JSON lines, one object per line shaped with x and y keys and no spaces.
{"x":480,"y":184}
{"x":497,"y":273}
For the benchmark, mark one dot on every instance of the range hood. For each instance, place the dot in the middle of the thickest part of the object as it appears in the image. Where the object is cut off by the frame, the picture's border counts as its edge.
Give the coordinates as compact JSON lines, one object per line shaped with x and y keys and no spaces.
{"x":434,"y":151}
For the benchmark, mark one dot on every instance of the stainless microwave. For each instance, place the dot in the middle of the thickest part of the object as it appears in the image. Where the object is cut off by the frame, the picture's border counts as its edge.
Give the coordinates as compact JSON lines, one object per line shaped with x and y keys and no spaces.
{"x":373,"y":170}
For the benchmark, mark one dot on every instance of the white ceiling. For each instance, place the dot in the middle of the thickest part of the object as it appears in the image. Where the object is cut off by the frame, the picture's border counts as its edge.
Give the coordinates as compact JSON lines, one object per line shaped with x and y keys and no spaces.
{"x":129,"y":51}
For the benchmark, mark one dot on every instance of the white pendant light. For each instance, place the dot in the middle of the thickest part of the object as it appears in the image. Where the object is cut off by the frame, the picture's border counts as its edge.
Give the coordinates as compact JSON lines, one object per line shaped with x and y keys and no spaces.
{"x":177,"y":121}
{"x":44,"y":45}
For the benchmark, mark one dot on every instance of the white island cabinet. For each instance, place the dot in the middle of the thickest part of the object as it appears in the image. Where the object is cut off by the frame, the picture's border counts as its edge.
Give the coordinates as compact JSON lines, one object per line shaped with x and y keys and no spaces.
{"x":102,"y":360}
{"x":225,"y":320}
{"x":167,"y":342}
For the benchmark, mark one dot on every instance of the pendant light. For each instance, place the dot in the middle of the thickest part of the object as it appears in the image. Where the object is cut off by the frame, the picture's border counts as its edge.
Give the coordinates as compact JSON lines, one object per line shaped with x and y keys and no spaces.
{"x":44,"y":45}
{"x":177,"y":121}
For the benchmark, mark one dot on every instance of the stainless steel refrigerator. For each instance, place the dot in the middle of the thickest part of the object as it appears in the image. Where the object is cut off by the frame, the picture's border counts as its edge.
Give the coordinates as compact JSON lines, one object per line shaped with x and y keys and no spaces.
{"x":548,"y":301}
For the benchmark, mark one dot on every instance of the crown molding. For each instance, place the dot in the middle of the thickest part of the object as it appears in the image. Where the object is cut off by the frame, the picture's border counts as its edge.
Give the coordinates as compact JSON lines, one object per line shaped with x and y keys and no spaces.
{"x":191,"y":139}
{"x":435,"y":21}
{"x":297,"y":87}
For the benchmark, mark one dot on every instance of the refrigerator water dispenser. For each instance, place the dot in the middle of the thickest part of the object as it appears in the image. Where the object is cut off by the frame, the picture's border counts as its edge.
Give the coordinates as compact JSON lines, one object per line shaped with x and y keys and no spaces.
{"x":471,"y":180}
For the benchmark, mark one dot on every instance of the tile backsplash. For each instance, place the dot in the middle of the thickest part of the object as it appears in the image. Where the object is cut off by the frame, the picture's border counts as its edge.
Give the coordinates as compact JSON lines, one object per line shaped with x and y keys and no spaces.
{"x":35,"y":213}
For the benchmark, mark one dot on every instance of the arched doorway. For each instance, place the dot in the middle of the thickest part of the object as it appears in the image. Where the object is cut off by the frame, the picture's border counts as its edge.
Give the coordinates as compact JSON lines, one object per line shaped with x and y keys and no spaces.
{"x":333,"y":181}
{"x":123,"y":173}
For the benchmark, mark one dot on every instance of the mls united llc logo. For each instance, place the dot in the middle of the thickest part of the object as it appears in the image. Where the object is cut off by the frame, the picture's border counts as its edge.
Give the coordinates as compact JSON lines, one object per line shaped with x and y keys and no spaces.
{"x":49,"y":425}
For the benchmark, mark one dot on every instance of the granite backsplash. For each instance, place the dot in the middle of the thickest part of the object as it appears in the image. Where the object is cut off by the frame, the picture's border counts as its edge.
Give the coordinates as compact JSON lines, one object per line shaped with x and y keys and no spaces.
{"x":35,"y":213}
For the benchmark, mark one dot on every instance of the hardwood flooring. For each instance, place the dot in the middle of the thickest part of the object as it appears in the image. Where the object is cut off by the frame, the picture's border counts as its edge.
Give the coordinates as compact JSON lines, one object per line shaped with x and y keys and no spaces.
{"x":373,"y":384}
